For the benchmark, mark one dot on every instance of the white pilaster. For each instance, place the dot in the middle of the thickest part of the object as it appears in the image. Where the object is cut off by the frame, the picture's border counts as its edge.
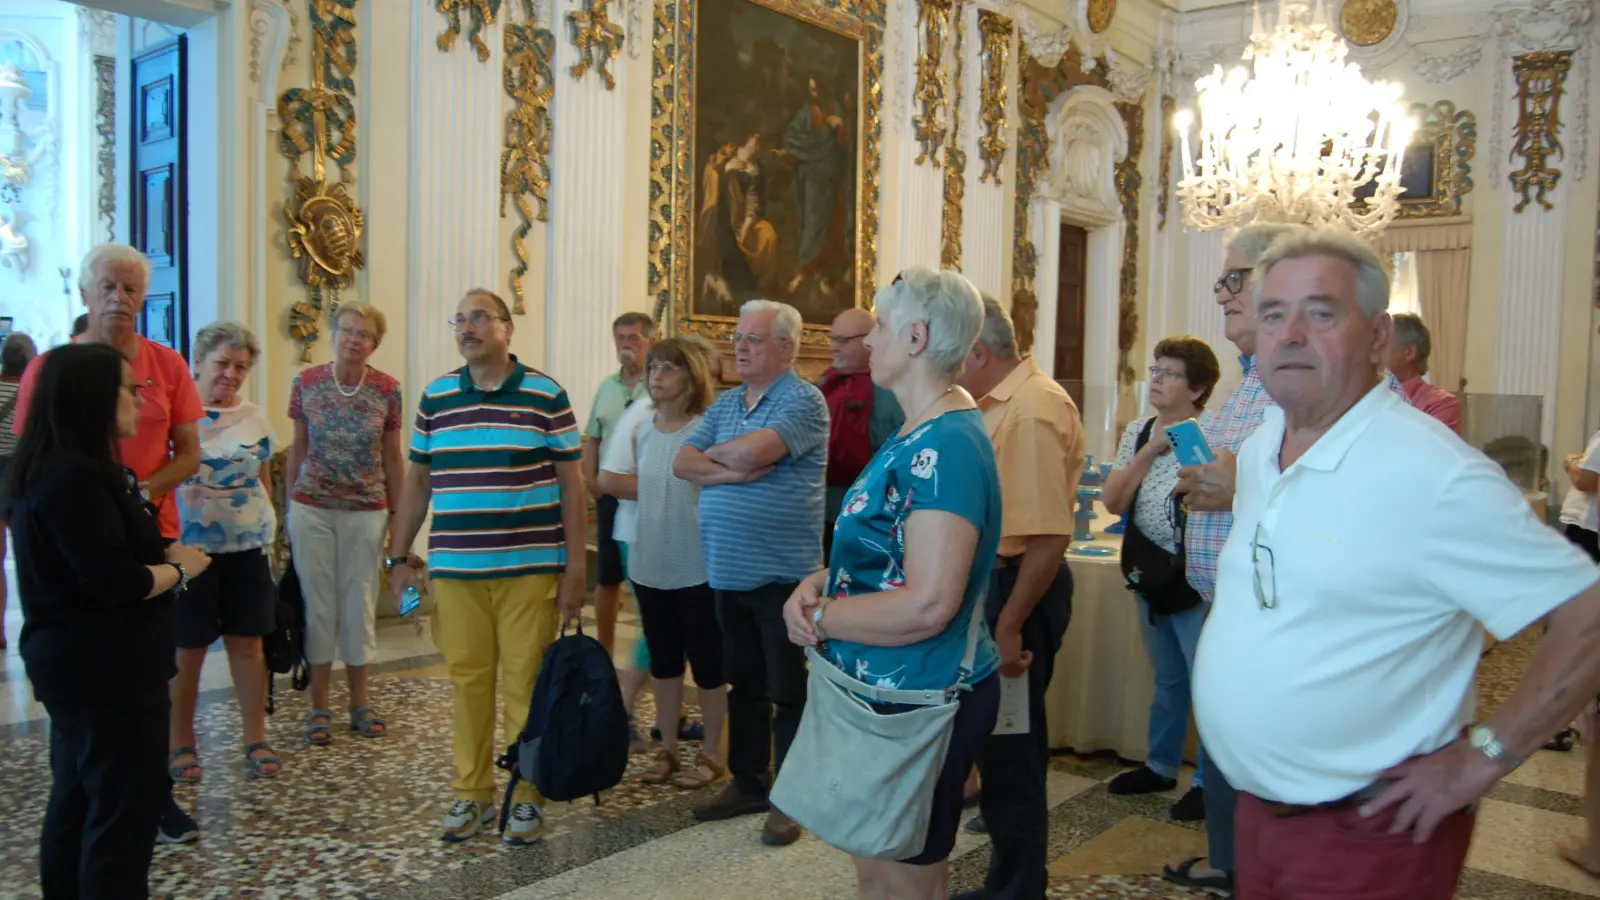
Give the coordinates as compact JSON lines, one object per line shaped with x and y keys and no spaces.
{"x":587,"y":208}
{"x":1203,"y":317}
{"x":986,"y":212}
{"x":456,"y":134}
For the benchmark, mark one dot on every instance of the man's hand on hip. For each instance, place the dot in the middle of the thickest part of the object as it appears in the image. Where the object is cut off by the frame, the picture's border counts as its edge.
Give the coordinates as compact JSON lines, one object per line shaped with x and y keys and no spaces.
{"x":1428,"y":788}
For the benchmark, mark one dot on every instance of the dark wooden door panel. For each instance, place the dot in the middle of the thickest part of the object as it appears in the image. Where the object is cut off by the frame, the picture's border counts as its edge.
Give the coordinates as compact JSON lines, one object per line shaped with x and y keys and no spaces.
{"x":159,"y":205}
{"x":1071,"y":282}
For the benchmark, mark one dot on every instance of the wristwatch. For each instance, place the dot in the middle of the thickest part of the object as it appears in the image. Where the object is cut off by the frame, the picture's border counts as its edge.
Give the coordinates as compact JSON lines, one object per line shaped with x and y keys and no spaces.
{"x":183,"y":578}
{"x":816,"y":623}
{"x":1484,"y":740}
{"x":392,"y":561}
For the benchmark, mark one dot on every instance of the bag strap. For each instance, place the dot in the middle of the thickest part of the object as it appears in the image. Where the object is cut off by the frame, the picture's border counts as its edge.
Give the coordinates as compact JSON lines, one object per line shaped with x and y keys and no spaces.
{"x":973,"y":632}
{"x":932,"y":697}
{"x":1138,"y":444}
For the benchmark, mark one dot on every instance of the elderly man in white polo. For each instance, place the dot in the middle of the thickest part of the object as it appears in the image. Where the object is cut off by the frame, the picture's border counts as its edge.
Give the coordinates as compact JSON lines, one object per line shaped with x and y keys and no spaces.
{"x":1370,"y":549}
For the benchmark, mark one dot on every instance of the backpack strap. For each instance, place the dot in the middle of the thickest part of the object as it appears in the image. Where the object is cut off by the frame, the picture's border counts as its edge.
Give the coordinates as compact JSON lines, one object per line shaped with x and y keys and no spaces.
{"x":1138,"y":444}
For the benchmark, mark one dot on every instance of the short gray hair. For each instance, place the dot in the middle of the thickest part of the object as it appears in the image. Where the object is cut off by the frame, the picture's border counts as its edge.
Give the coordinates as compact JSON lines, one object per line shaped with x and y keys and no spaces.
{"x":787,"y":325}
{"x":233,"y":335}
{"x":1252,"y":241}
{"x":1410,"y":332}
{"x":97,"y":258}
{"x":998,"y":333}
{"x":1372,"y":279}
{"x":946,"y":301}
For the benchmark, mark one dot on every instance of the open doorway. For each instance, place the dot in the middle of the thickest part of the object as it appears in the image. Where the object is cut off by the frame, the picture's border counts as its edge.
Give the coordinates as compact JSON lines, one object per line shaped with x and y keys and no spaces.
{"x":1072,"y":282}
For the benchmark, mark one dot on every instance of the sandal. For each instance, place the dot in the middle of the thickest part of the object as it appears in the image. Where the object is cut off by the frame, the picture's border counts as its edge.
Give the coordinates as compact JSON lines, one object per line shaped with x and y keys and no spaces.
{"x":319,"y":728}
{"x":366,"y":721}
{"x":662,"y":771}
{"x":706,"y":771}
{"x":265,"y":759}
{"x":175,"y":769}
{"x":1181,"y":875}
{"x":1562,"y":742}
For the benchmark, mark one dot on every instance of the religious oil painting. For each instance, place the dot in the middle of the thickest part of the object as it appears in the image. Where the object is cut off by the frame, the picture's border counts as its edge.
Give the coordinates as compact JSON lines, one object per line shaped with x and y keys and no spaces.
{"x":776,"y":161}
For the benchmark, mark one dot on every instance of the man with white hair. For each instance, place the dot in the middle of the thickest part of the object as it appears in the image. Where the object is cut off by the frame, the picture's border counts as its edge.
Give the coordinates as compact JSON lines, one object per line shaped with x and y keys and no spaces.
{"x":1038,"y":447}
{"x":166,"y":451}
{"x":759,"y":455}
{"x":1334,"y":677}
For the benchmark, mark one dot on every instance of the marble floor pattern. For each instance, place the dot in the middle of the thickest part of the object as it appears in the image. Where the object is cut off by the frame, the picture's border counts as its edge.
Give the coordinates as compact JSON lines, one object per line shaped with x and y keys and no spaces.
{"x":359,"y":819}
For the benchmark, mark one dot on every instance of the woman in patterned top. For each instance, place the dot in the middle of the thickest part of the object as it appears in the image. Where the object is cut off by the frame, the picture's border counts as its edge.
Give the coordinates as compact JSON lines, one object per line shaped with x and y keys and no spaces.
{"x":1181,"y":381}
{"x":226,"y":510}
{"x":912,"y":550}
{"x":346,"y":468}
{"x":14,"y":358}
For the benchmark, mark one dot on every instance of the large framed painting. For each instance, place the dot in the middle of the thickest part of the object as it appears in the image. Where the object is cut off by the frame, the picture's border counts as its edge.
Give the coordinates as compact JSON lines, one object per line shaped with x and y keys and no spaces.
{"x":765,"y":151}
{"x":1436,"y":174}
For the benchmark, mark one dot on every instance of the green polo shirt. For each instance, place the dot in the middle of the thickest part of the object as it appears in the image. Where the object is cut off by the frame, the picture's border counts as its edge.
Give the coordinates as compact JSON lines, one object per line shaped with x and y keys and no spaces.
{"x":609,"y":401}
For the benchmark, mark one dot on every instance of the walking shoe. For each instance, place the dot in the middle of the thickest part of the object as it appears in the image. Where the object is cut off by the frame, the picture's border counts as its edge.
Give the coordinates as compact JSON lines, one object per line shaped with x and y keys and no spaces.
{"x":177,"y":826}
{"x":976,"y":825}
{"x":780,"y":830}
{"x":730,"y":804}
{"x":465,"y":819}
{"x":1141,"y":781}
{"x":527,"y":820}
{"x":1191,"y":807}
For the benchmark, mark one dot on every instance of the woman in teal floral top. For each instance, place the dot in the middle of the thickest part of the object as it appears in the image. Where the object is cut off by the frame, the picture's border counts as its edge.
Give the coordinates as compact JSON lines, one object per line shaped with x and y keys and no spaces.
{"x":912,"y":550}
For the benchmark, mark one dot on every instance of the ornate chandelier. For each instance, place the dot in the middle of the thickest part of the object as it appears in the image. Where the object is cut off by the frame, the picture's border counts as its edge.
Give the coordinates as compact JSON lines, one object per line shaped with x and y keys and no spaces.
{"x":1307,"y":139}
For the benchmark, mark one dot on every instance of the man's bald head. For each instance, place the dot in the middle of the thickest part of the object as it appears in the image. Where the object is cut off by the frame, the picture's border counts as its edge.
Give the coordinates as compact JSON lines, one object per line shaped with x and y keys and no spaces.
{"x":845,"y":339}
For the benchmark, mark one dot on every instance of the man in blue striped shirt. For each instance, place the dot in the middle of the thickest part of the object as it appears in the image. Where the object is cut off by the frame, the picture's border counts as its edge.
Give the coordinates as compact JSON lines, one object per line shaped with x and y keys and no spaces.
{"x":760,"y":455}
{"x":496,"y":450}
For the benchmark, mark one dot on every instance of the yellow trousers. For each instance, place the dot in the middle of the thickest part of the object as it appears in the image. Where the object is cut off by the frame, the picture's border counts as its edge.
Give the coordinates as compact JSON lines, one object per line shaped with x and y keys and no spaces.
{"x":481,"y":627}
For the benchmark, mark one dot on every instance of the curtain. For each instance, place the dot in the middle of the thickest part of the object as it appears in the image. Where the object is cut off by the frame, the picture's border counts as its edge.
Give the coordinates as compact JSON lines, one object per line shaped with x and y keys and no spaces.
{"x":1442,"y":284}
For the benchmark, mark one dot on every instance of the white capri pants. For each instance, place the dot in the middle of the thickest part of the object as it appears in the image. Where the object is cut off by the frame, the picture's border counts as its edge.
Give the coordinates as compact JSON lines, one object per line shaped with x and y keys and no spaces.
{"x":337,"y":553}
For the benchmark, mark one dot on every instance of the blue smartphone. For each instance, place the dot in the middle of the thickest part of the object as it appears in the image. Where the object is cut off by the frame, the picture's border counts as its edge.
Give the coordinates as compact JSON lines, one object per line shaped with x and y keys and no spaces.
{"x":410,"y":601}
{"x":1189,"y":444}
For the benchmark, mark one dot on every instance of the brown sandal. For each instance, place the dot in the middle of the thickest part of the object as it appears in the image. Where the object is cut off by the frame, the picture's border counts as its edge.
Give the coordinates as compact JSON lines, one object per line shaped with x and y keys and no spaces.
{"x":706,"y":771}
{"x":662,"y":772}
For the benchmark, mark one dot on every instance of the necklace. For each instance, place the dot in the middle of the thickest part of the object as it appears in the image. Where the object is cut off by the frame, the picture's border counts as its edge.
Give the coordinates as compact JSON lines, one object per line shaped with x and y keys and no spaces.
{"x":338,"y":386}
{"x":917,"y":419}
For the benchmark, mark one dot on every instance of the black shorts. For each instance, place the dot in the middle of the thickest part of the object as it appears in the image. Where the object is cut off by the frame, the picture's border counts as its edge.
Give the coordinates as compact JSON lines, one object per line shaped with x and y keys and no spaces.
{"x":975,"y":720}
{"x":1586,"y":540}
{"x":234,"y":597}
{"x":682,"y":624}
{"x":611,"y":571}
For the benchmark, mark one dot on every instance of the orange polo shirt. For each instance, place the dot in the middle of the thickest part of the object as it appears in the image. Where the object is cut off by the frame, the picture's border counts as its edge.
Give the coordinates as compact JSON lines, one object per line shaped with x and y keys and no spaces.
{"x":1038,"y":448}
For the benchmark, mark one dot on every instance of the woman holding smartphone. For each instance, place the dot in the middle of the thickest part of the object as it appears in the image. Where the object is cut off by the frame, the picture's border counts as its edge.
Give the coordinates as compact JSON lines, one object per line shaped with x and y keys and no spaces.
{"x":98,"y":635}
{"x":1143,"y":477}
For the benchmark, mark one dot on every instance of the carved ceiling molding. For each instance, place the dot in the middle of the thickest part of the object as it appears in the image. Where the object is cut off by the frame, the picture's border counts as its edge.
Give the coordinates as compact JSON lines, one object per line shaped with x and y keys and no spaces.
{"x":99,"y":29}
{"x":271,"y":28}
{"x":1088,"y":139}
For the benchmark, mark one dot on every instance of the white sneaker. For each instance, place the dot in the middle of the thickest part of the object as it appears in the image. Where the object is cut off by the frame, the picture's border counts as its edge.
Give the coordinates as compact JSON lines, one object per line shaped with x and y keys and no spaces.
{"x":527,"y":820}
{"x":465,"y":819}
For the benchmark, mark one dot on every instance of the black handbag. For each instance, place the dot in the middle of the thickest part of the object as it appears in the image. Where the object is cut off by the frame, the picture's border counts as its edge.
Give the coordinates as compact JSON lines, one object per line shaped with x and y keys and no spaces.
{"x":1147,"y":568}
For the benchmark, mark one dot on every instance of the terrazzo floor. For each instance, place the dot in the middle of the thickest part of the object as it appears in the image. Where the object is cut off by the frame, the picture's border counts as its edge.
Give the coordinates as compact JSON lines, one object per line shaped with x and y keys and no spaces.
{"x":359,"y":819}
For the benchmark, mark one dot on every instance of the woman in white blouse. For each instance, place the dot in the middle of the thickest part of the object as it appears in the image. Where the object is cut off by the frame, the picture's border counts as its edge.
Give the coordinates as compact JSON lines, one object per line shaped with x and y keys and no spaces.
{"x":1184,"y":374}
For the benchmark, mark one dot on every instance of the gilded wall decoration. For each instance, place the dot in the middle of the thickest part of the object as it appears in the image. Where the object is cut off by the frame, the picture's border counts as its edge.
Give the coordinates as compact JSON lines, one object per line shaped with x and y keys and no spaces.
{"x":1128,"y":183}
{"x":955,"y":159}
{"x":319,"y":123}
{"x":1100,"y":14}
{"x":1540,"y":78}
{"x":996,"y":31}
{"x":525,"y":162}
{"x":105,"y":129}
{"x":1169,"y":108}
{"x":1368,"y":23}
{"x":933,"y":23}
{"x":1437,"y":173}
{"x":597,"y":38}
{"x":479,"y":13}
{"x":755,"y":151}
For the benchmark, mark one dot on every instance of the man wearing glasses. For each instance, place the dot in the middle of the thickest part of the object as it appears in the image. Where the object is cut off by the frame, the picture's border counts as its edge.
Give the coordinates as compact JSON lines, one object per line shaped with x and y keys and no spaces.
{"x":861,"y":414}
{"x":759,"y":455}
{"x":496,"y":450}
{"x":1334,"y":680}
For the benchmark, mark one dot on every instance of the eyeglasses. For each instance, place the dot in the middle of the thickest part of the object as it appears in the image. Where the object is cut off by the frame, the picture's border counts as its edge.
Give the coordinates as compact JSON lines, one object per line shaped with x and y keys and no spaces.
{"x":1167,"y":374}
{"x":1266,"y":575}
{"x":478,"y":318}
{"x":1232,"y":280}
{"x":839,"y":340}
{"x":754,"y":340}
{"x":665,"y":368}
{"x":360,"y":334}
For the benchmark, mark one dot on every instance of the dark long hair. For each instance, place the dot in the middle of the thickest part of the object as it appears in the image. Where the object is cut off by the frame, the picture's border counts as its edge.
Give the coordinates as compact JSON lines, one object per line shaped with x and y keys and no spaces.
{"x":73,"y":410}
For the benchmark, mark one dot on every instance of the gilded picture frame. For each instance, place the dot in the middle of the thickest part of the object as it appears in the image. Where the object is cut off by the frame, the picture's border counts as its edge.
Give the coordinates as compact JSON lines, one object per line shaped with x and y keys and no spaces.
{"x":678,"y":167}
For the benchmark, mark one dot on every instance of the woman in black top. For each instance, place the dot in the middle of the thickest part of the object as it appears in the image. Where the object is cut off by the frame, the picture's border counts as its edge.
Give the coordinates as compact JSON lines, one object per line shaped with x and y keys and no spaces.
{"x":98,"y":633}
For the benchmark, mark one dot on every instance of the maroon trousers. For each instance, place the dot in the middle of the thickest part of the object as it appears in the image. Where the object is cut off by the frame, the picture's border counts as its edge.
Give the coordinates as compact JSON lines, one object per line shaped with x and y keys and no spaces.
{"x":1338,"y":855}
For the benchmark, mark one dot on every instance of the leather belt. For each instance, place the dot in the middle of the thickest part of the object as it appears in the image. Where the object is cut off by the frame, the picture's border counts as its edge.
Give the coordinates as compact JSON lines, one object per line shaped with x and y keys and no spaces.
{"x":1291,"y":810}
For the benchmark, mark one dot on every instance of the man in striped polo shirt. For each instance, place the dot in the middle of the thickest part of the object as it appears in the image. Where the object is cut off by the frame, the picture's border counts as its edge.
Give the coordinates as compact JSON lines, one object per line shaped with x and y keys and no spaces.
{"x":497,"y":450}
{"x":760,"y":454}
